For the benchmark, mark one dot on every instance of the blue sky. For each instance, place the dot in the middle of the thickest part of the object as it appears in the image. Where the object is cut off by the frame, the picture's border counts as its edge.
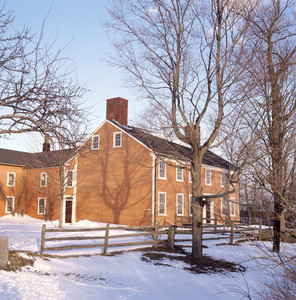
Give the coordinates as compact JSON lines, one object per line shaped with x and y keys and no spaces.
{"x":76,"y":25}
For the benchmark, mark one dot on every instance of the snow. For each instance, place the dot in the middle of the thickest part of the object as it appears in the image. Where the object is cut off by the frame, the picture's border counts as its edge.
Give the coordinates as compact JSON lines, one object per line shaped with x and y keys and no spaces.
{"x":122,"y":276}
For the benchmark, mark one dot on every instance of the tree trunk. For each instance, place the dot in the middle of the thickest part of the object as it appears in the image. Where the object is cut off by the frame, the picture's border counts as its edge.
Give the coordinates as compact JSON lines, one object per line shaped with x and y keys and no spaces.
{"x":197,"y":230}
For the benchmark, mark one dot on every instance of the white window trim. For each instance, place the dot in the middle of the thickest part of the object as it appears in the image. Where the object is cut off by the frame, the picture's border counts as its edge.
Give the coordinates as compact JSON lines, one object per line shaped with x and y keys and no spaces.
{"x":206,"y":183}
{"x":165,"y":201}
{"x":12,"y":197}
{"x":8,"y":173}
{"x":232,"y":202}
{"x":38,"y":212}
{"x":178,"y":214}
{"x":45,"y":185}
{"x":165,"y":170}
{"x":222,"y":214}
{"x":190,"y":198}
{"x":92,"y":142}
{"x":114,"y":139}
{"x":190,"y":177}
{"x":73,"y":178}
{"x":222,"y":174}
{"x":177,"y":169}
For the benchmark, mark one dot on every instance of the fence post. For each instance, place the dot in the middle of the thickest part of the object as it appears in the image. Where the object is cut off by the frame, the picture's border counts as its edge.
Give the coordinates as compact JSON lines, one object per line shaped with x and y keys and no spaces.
{"x":175,"y":219}
{"x":106,"y":239}
{"x":171,"y":238}
{"x":215,"y":224}
{"x":260,"y":229}
{"x":231,"y":233}
{"x":43,"y":230}
{"x":3,"y":251}
{"x":156,"y":235}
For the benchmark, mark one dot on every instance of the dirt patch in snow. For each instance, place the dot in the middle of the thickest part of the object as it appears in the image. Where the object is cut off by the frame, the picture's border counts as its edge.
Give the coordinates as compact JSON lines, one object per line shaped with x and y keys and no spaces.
{"x":16,"y":261}
{"x":206,"y":265}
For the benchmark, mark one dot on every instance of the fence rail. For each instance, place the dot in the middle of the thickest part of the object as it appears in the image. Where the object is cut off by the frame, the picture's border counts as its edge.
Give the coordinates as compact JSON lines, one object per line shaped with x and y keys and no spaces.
{"x":153,"y":231}
{"x":105,"y":239}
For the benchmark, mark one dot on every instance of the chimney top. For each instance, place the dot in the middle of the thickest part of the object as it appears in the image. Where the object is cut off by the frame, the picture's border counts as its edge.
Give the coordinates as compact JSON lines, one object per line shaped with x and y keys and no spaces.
{"x":117,"y":109}
{"x":46,"y":144}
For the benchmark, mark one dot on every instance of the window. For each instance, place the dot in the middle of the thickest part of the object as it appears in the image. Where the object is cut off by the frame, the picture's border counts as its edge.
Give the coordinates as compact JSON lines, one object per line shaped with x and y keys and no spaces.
{"x":190,"y":205}
{"x":10,"y":179}
{"x":43,"y":179}
{"x":161,"y":204}
{"x":179,"y":174}
{"x":232,"y":207}
{"x":95,"y":143}
{"x":190,"y":177}
{"x":9,"y":207}
{"x":41,"y":206}
{"x":180,"y":205}
{"x":117,"y":139}
{"x":70,"y":178}
{"x":208,"y":177}
{"x":223,"y":178}
{"x":162,"y":170}
{"x":223,"y":207}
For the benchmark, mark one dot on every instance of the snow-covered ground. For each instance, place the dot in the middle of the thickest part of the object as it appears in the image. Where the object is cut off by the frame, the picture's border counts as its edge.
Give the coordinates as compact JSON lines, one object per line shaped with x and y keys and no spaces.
{"x":123,"y":276}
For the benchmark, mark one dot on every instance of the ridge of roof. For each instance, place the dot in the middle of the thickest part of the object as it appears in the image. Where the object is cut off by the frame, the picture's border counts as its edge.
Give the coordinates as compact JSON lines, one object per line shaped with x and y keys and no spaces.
{"x":35,"y":160}
{"x":166,"y":147}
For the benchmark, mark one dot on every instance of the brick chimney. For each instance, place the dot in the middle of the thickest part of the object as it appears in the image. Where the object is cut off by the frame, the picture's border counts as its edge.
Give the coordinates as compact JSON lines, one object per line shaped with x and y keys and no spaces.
{"x":117,"y":110}
{"x":46,"y":144}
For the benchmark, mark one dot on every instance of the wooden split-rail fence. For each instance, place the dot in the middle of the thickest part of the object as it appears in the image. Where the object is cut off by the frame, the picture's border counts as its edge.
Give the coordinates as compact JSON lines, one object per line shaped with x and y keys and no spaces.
{"x":106,"y":237}
{"x":170,"y":236}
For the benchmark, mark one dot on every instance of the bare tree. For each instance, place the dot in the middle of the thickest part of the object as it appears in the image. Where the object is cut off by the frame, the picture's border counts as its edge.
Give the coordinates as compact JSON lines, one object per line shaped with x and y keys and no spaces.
{"x":272,"y":95}
{"x":185,"y":57}
{"x":37,"y":92}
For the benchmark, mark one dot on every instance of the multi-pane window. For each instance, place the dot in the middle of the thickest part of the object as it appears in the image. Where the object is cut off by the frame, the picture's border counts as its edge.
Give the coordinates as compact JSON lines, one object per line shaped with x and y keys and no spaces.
{"x":223,"y":178}
{"x":179,"y":174}
{"x":43,"y":179}
{"x":190,"y":205}
{"x":70,"y":178}
{"x":10,"y":179}
{"x":117,"y":139}
{"x":180,"y":205}
{"x":161,"y":204}
{"x":41,"y":206}
{"x":9,"y":205}
{"x":162,"y":170}
{"x":95,"y":142}
{"x":208,"y":177}
{"x":232,"y":207}
{"x":224,"y":206}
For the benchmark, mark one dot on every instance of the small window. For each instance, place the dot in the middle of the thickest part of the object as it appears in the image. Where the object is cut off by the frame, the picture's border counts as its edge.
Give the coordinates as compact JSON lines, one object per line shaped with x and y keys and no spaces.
{"x":190,"y":177}
{"x":232,"y":207}
{"x":179,"y":174}
{"x":180,"y":205}
{"x":41,"y":206}
{"x":223,"y":178}
{"x":9,"y":206}
{"x":117,"y":139}
{"x":223,"y":207}
{"x":161,"y":204}
{"x":95,"y":143}
{"x":190,"y":205}
{"x":43,"y":179}
{"x":10,"y":179}
{"x":208,"y":177}
{"x":70,"y":178}
{"x":162,"y":170}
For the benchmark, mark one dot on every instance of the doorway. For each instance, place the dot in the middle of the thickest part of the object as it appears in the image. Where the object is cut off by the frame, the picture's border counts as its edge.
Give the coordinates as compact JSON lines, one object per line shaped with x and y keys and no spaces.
{"x":69,"y":204}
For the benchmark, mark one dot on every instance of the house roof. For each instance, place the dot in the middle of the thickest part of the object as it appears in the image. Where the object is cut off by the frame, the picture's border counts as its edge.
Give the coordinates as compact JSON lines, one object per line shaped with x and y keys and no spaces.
{"x":35,"y":160}
{"x":165,"y":147}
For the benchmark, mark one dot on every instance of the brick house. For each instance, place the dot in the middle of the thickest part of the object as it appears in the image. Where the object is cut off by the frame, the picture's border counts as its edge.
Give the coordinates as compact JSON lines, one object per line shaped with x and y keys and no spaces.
{"x":121,"y":175}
